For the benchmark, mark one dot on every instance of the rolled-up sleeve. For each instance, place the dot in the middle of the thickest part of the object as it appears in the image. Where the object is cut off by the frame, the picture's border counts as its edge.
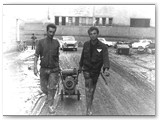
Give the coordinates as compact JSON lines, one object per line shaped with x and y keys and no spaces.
{"x":38,"y":48}
{"x":106,"y":63}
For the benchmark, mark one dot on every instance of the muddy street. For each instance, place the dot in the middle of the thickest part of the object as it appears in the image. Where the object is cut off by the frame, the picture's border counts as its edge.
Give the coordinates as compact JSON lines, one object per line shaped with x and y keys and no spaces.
{"x":130,"y":88}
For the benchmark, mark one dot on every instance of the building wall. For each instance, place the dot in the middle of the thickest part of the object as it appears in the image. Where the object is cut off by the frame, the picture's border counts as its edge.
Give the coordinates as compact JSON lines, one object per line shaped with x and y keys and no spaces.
{"x":81,"y":31}
{"x":119,"y":26}
{"x":121,"y":14}
{"x":110,"y":31}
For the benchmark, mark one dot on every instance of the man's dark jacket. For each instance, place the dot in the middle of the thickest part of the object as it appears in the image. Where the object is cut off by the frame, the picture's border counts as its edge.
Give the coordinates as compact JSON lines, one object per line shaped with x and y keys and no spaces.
{"x":48,"y":50}
{"x":92,"y":61}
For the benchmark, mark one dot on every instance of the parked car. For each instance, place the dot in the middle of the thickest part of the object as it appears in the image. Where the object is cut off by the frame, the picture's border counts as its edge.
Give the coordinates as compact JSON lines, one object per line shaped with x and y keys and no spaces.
{"x":141,"y":50}
{"x":122,"y":43}
{"x":60,"y":42}
{"x":103,"y":40}
{"x":123,"y":49}
{"x":143,"y":43}
{"x":151,"y":48}
{"x":119,"y":42}
{"x":69,"y":43}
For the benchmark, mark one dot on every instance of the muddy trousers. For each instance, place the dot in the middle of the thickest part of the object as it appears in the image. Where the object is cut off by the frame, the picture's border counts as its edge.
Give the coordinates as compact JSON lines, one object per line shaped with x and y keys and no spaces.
{"x":48,"y":82}
{"x":90,"y":86}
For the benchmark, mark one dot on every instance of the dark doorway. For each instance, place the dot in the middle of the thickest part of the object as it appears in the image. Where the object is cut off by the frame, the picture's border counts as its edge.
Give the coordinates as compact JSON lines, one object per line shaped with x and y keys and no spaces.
{"x":57,"y":20}
{"x":110,"y":21}
{"x":97,"y":21}
{"x":138,"y":22}
{"x":77,"y":21}
{"x":103,"y":21}
{"x":63,"y":20}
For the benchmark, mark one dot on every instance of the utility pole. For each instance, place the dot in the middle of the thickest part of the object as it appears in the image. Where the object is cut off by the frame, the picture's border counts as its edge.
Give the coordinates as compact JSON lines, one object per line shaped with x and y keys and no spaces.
{"x":48,"y":14}
{"x":17,"y":30}
{"x":93,"y":15}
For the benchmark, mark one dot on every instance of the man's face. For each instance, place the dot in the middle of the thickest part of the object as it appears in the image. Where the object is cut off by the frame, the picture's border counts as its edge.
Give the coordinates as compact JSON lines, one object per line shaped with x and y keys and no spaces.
{"x":51,"y":32}
{"x":93,"y":35}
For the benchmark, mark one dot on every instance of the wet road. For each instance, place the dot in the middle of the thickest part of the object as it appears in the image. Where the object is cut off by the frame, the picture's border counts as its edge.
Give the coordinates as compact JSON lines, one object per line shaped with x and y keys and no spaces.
{"x":127,"y":93}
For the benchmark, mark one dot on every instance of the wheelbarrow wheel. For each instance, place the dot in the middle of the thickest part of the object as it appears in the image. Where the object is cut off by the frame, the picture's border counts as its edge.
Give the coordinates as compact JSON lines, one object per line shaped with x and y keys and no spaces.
{"x":62,"y":95}
{"x":78,"y":95}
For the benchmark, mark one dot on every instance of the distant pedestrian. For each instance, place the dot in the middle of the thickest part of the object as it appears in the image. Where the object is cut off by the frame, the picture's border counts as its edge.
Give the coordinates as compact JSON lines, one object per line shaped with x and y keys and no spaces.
{"x":33,"y":41}
{"x":94,"y":56}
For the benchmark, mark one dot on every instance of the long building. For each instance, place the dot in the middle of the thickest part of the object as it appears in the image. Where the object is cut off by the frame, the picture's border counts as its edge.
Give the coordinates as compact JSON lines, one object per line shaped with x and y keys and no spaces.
{"x":114,"y":21}
{"x":131,"y":21}
{"x":103,"y":15}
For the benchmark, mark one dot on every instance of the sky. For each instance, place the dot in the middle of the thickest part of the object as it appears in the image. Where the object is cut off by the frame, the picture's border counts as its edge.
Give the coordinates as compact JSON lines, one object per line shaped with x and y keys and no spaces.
{"x":40,"y":12}
{"x":26,"y":12}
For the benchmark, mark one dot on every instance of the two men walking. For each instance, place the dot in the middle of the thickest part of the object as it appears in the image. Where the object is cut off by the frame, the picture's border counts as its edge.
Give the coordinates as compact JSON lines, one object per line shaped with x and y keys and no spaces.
{"x":94,"y":56}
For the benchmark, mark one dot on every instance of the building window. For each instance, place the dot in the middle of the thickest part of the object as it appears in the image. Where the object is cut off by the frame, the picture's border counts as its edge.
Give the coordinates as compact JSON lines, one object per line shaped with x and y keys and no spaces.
{"x":110,"y":21}
{"x":90,"y":21}
{"x":97,"y":21}
{"x":83,"y":21}
{"x":57,"y":20}
{"x":63,"y":20}
{"x":77,"y":21}
{"x":103,"y":21}
{"x":70,"y":20}
{"x":138,"y":22}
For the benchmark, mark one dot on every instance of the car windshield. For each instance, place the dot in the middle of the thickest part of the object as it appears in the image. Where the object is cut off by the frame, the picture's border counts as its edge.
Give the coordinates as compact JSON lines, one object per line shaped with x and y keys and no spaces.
{"x":67,"y":38}
{"x":144,"y":41}
{"x":120,"y":42}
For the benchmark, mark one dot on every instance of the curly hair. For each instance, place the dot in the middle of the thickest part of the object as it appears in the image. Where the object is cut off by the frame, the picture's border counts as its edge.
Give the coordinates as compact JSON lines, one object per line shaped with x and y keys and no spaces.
{"x":93,"y":28}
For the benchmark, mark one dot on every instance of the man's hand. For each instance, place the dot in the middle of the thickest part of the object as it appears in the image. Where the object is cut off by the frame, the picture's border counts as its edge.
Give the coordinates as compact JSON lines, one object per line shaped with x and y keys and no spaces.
{"x":35,"y":71}
{"x":106,"y":72}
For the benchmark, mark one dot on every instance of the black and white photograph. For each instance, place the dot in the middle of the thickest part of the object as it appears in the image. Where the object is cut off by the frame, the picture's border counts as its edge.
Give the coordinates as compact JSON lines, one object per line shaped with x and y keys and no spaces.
{"x":79,"y":59}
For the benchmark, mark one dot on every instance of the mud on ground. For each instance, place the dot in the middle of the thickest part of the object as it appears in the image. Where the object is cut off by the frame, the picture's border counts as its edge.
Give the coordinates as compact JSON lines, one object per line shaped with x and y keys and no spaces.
{"x":130,"y":89}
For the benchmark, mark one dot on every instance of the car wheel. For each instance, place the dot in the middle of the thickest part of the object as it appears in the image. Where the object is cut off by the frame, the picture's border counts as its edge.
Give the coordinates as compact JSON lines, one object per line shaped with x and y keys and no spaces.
{"x":140,"y":48}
